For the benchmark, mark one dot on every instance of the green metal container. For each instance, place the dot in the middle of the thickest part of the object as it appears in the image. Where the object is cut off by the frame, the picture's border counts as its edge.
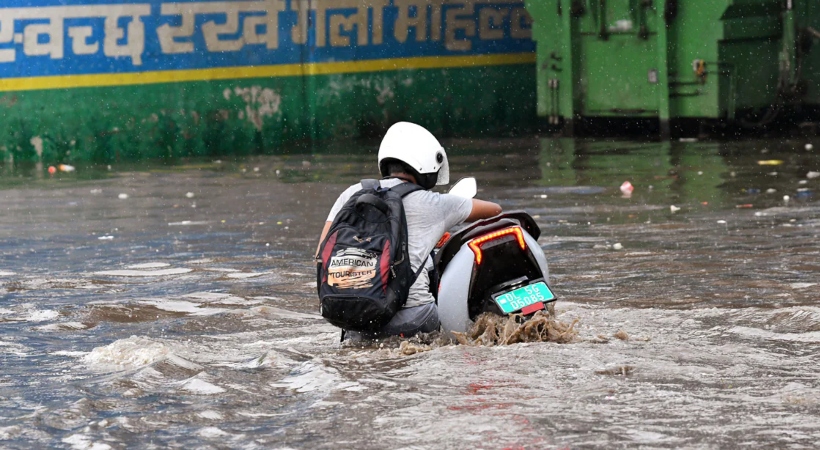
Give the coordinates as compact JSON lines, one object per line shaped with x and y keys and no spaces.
{"x":741,"y":60}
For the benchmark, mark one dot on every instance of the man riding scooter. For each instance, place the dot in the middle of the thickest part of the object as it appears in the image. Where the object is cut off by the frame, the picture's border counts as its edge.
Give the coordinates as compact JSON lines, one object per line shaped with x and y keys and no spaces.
{"x":411,"y":154}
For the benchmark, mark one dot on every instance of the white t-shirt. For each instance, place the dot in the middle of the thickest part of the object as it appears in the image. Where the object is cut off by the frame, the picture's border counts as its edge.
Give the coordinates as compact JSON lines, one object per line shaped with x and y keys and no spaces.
{"x":429,"y":216}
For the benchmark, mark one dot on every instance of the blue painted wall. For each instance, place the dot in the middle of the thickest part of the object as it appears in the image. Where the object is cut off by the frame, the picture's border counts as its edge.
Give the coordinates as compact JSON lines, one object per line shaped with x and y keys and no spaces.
{"x":53,"y":37}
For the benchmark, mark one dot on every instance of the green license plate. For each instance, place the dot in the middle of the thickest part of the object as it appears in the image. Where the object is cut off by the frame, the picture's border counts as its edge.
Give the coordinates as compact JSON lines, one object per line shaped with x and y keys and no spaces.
{"x":520,"y":298}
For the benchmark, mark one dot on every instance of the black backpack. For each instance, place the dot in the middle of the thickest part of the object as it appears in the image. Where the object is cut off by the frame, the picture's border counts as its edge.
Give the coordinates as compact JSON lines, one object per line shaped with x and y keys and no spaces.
{"x":363,"y":267}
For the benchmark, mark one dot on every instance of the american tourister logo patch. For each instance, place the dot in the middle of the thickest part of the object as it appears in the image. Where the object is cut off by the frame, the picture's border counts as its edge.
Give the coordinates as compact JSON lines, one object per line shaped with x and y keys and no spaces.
{"x":352,"y":268}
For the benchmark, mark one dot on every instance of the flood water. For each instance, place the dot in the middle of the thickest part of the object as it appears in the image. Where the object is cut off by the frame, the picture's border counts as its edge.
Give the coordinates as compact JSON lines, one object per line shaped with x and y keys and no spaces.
{"x":173,"y":306}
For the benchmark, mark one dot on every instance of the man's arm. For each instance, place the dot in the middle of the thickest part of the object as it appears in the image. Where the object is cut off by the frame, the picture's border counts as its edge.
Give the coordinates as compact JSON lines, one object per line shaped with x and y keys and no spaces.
{"x":483,"y":209}
{"x":322,"y":238}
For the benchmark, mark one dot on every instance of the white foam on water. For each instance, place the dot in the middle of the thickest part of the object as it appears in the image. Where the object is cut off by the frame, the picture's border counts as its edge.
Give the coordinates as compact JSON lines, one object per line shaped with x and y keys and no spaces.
{"x":268,"y":298}
{"x":4,"y":273}
{"x":182,"y":362}
{"x":264,"y":360}
{"x":211,"y":432}
{"x":68,"y":353}
{"x":173,"y":305}
{"x":207,"y":296}
{"x":13,"y":348}
{"x":182,"y":306}
{"x":210,"y":414}
{"x":41,"y":315}
{"x":64,"y":326}
{"x":150,"y":265}
{"x":220,"y":298}
{"x":125,"y":354}
{"x":256,"y":415}
{"x":199,"y":386}
{"x":244,"y":275}
{"x":312,"y":376}
{"x":147,"y":378}
{"x":808,"y":337}
{"x":802,"y":285}
{"x":11,"y":432}
{"x":144,"y":273}
{"x":5,"y":312}
{"x":789,"y":323}
{"x":650,"y":437}
{"x":83,"y":442}
{"x":222,"y":269}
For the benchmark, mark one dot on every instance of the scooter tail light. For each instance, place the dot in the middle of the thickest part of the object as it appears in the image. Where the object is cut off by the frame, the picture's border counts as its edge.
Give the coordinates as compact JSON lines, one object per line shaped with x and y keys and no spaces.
{"x":443,"y":240}
{"x":476,"y":244}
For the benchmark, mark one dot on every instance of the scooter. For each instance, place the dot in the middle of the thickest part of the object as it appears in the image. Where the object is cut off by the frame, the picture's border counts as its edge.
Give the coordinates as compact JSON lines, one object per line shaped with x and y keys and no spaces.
{"x":493,"y":265}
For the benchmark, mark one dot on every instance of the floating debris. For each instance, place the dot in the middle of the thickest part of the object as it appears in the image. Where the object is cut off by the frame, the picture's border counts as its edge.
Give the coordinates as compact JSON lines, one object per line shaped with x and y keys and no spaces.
{"x":622,"y":335}
{"x":617,"y":246}
{"x":674,"y":208}
{"x":627,"y":188}
{"x":491,"y":329}
{"x":122,"y":196}
{"x":600,"y":339}
{"x":408,"y":348}
{"x":616,"y":371}
{"x":770,"y":162}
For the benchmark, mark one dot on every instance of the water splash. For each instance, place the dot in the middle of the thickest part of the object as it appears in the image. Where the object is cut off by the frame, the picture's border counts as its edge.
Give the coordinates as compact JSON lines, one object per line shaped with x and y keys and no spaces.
{"x":492,"y":329}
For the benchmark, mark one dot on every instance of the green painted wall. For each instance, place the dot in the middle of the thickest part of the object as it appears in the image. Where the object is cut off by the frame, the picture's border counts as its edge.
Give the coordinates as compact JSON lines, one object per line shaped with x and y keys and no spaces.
{"x":259,"y":115}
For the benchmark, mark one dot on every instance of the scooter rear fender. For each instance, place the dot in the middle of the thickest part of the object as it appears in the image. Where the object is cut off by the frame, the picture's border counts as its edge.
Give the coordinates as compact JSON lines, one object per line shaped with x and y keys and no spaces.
{"x":453,"y":307}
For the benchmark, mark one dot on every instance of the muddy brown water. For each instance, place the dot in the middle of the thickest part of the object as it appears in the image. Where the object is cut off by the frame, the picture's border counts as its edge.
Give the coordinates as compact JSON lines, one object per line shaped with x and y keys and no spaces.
{"x":167,"y":306}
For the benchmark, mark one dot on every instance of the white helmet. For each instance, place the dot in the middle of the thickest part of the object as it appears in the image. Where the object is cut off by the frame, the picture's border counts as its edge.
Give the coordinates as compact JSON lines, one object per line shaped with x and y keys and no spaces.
{"x":417,"y":149}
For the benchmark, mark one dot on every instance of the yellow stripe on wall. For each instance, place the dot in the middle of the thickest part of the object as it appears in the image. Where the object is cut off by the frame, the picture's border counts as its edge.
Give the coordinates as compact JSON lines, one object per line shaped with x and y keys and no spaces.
{"x":284,"y":70}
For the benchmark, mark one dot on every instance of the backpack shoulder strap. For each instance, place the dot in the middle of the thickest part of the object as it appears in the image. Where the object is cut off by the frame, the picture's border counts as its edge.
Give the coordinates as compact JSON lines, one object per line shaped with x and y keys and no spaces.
{"x":370,"y":184}
{"x":418,"y":272}
{"x":406,"y":188}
